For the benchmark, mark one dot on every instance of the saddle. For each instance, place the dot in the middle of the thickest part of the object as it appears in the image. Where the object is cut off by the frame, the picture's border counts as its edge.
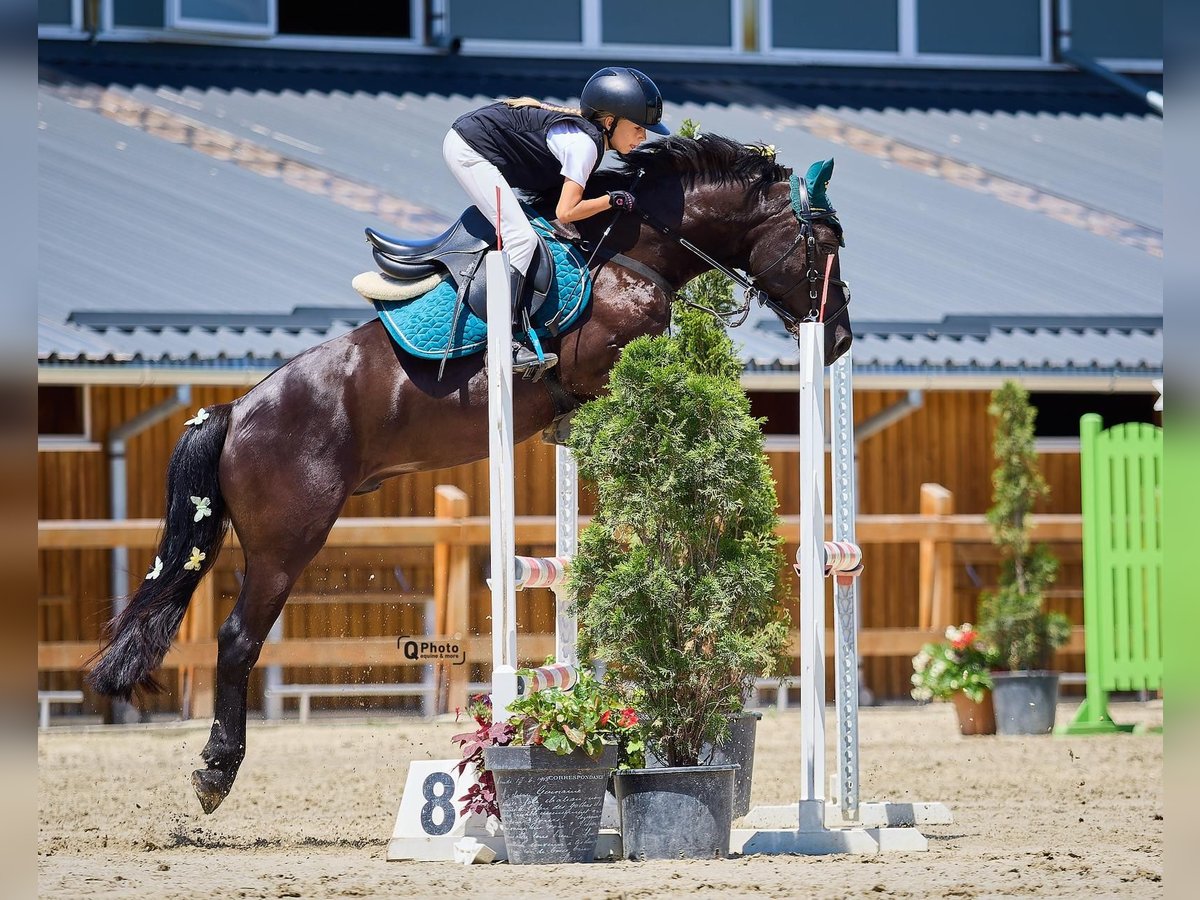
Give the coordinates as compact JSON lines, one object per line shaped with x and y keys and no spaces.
{"x":458,"y":254}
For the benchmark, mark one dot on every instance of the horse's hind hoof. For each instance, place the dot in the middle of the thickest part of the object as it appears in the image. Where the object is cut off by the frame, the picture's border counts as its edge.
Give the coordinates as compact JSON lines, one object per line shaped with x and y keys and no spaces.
{"x":211,"y":786}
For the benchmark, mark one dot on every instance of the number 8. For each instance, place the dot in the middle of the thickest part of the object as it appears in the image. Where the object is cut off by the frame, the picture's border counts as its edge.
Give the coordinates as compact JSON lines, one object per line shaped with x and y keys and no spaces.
{"x":442,"y":801}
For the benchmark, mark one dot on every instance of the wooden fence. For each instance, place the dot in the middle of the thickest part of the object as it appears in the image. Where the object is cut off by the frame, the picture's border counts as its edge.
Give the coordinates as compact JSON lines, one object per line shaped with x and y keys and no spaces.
{"x":452,"y":533}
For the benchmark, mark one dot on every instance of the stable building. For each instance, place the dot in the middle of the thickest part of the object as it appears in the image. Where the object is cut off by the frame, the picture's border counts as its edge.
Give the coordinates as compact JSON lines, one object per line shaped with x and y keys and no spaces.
{"x":1003,"y":219}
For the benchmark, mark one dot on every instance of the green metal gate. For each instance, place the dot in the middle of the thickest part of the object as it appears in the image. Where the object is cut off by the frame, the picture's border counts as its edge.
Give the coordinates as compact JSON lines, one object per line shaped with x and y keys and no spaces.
{"x":1122,"y":566}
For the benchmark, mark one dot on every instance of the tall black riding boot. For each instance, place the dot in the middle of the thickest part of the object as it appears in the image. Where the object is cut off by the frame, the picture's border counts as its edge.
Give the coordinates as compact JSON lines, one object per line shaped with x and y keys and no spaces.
{"x":525,"y":358}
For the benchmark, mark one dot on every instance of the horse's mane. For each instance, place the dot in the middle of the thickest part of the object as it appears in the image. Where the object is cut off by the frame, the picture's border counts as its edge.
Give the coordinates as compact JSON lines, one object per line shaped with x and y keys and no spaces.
{"x":709,"y":158}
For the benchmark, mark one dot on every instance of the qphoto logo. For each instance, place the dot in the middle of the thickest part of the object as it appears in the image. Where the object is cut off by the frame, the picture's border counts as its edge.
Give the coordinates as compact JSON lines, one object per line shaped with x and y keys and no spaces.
{"x":426,"y":649}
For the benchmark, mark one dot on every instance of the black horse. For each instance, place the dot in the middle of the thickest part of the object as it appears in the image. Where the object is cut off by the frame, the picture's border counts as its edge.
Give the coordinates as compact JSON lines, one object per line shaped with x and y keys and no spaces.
{"x":280,"y":462}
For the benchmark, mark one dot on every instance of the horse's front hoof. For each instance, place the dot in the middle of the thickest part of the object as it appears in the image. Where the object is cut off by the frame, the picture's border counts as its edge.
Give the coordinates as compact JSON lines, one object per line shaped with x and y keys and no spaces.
{"x":211,"y":786}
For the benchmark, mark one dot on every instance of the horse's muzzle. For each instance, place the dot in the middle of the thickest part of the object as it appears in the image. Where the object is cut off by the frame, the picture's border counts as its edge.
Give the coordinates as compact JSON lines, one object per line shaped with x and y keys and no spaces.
{"x":842,"y":339}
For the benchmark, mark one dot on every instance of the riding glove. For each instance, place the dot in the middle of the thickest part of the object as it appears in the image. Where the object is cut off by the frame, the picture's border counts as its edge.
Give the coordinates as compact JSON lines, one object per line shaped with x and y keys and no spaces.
{"x":622,"y":200}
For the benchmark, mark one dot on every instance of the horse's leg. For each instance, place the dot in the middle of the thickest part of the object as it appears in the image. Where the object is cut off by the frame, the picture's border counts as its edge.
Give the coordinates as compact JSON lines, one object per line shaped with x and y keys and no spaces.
{"x":265,"y":589}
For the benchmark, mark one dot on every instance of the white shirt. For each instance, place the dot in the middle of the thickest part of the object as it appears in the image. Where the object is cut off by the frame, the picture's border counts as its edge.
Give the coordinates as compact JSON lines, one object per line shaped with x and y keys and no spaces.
{"x":574,"y":149}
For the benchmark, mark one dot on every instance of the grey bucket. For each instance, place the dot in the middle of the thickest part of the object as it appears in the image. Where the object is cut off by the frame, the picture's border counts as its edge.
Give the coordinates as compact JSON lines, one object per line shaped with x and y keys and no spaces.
{"x":550,"y":805}
{"x":737,"y":750}
{"x":1025,"y":702}
{"x":684,"y":812}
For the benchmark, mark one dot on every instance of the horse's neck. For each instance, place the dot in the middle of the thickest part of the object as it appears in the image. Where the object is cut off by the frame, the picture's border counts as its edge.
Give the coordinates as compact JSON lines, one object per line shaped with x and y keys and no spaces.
{"x":714,"y":233}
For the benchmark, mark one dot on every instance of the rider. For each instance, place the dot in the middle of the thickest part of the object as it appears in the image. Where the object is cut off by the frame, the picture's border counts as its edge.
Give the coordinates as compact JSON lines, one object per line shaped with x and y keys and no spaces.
{"x":536,"y":147}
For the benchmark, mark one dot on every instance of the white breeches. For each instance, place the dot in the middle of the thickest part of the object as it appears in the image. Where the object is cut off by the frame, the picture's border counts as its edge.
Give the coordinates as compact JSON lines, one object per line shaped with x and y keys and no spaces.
{"x":480,"y":179}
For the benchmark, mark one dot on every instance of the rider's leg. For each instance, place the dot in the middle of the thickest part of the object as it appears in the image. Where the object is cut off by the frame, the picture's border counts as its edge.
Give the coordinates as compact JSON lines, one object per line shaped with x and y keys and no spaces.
{"x":480,"y":179}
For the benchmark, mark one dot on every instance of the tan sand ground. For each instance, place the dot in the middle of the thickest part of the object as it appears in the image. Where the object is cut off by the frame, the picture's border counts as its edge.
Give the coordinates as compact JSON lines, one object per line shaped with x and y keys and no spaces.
{"x":314,"y":806}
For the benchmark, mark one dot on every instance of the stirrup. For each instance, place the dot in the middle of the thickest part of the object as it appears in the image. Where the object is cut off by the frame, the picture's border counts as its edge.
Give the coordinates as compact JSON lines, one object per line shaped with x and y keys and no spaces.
{"x":527,"y":362}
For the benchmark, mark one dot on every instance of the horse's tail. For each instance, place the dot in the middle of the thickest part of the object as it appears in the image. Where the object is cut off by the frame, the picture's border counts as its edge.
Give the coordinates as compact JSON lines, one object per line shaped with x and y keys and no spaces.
{"x":136,"y":641}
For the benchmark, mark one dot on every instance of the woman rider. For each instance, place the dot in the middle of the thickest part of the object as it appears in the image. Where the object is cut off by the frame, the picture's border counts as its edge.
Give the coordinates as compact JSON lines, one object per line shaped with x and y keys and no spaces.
{"x":533,"y":146}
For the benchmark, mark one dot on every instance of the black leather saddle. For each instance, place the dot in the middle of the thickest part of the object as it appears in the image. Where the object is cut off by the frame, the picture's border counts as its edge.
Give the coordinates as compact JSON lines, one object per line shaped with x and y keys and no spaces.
{"x":458,"y":252}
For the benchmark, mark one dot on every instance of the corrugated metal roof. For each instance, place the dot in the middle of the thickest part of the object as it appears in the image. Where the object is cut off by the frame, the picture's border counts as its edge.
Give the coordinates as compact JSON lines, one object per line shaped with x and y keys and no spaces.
{"x":1108,"y":162}
{"x":979,"y":345}
{"x":128,"y":221}
{"x":156,"y":227}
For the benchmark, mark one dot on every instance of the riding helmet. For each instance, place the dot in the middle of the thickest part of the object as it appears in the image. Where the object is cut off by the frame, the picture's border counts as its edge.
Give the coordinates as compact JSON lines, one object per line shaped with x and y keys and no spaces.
{"x":625,"y":93}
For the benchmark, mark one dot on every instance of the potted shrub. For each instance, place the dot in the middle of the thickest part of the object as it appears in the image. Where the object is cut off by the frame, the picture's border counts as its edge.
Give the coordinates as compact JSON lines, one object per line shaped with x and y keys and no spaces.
{"x":678,"y":578}
{"x":958,"y":670}
{"x":543,"y":772}
{"x":1012,"y":618}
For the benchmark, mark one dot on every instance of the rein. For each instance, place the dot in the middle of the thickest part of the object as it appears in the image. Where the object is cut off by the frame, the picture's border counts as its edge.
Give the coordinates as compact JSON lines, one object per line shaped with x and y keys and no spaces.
{"x":805,"y":216}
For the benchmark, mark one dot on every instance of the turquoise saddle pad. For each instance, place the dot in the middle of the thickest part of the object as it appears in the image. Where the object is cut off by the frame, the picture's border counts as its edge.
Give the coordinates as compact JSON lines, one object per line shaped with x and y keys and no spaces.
{"x":422,"y":326}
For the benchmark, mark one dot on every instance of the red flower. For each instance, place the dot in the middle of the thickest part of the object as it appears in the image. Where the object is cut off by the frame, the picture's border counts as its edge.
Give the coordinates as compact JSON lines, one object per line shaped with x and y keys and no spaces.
{"x":965,"y":640}
{"x":605,"y":717}
{"x":628,"y":718}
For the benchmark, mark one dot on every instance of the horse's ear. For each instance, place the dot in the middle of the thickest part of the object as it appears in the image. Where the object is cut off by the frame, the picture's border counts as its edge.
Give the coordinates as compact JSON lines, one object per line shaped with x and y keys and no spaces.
{"x":817,"y":180}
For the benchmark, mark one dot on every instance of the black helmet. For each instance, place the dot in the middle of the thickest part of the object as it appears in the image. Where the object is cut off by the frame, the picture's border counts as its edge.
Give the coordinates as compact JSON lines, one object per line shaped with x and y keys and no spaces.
{"x":624,"y":93}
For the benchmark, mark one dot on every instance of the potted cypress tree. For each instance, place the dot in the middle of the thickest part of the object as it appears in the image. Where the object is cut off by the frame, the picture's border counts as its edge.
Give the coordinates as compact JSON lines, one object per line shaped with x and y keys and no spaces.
{"x":678,"y":578}
{"x":1023,"y":633}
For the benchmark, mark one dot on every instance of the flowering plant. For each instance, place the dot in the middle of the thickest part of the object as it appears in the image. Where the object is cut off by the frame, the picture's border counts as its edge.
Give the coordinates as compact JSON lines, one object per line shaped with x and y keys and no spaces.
{"x":586,"y":717}
{"x":962,"y":664}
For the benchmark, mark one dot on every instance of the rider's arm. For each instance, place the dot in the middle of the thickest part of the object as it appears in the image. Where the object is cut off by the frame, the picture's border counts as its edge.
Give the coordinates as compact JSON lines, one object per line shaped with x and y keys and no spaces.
{"x":572,"y":207}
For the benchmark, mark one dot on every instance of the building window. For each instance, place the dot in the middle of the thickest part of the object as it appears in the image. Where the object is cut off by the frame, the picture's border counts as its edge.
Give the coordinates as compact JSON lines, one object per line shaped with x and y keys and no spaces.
{"x":1011,"y":28}
{"x":59,"y":15}
{"x":1117,"y":29}
{"x":138,"y":13}
{"x":349,"y":18}
{"x":846,"y":25}
{"x":781,"y":409}
{"x":692,"y":23}
{"x":62,"y":412}
{"x":1057,"y":425}
{"x":529,"y":20}
{"x":255,"y":18}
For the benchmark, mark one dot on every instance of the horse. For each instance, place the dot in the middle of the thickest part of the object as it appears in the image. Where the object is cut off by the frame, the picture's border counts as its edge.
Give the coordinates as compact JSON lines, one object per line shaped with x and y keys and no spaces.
{"x":279,"y":463}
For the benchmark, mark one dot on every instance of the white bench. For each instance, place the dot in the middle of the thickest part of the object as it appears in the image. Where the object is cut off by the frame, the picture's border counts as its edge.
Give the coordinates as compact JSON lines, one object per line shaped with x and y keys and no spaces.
{"x":45,"y":698}
{"x":305,"y":693}
{"x":781,"y":686}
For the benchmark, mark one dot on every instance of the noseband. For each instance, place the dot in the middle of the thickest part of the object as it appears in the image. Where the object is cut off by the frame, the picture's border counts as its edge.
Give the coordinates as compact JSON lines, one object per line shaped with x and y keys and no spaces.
{"x":806,"y":216}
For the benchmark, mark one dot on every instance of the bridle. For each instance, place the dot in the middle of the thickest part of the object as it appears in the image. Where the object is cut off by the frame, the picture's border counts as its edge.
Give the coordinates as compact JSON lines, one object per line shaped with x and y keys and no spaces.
{"x":818,"y":281}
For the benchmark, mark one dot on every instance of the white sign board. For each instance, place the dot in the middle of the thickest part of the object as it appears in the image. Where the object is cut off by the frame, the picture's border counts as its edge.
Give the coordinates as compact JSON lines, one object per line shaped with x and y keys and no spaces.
{"x":431,"y":818}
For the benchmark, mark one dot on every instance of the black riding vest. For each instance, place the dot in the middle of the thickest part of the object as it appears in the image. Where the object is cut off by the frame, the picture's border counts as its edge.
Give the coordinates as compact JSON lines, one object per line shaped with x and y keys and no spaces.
{"x":513,"y":139}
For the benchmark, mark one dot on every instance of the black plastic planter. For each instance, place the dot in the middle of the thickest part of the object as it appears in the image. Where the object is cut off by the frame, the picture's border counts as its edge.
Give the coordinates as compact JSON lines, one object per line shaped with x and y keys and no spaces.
{"x":676,"y":813}
{"x":738,"y":750}
{"x":550,"y":805}
{"x":1025,"y":702}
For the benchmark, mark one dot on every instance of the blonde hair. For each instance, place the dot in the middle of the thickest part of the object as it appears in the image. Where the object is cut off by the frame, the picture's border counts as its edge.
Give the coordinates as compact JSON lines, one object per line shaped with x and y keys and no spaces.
{"x":540,"y":104}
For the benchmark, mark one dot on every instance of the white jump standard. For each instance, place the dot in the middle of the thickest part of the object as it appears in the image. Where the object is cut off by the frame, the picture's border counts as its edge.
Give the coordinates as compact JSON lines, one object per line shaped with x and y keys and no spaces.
{"x":815,"y":826}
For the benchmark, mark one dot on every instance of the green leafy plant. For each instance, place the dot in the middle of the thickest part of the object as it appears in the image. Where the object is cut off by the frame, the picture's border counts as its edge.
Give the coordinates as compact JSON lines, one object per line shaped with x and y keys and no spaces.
{"x":678,"y":576}
{"x":587,"y":717}
{"x":1012,"y":617}
{"x":962,"y":663}
{"x":481,"y":796}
